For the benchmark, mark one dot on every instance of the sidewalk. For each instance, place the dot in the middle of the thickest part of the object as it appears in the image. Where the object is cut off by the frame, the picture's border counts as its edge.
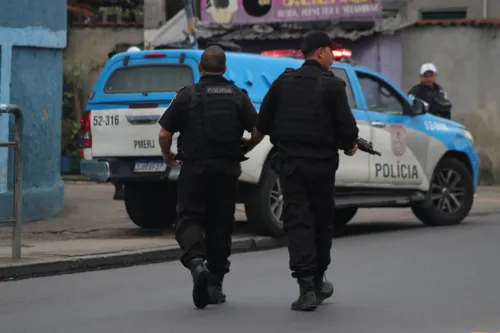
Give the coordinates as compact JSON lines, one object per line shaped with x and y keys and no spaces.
{"x":95,"y":228}
{"x":75,"y":178}
{"x":94,"y":231}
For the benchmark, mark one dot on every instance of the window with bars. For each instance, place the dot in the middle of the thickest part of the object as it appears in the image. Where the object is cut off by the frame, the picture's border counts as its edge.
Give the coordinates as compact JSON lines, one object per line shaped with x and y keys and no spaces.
{"x":444,"y":14}
{"x":173,"y":7}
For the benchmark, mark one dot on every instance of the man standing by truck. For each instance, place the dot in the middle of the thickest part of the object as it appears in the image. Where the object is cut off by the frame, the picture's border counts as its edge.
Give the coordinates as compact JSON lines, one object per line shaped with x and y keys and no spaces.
{"x":431,"y":92}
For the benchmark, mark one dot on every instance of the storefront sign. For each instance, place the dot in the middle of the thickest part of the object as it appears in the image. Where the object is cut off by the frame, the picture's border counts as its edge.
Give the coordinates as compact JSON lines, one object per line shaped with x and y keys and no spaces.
{"x":110,"y":3}
{"x":273,"y":11}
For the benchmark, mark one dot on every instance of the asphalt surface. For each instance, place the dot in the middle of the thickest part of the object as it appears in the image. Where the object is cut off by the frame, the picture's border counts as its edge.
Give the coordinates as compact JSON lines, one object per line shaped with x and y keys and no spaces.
{"x":408,"y":279}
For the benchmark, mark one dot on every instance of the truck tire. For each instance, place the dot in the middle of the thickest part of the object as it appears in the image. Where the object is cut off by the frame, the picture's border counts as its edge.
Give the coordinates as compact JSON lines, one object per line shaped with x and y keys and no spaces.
{"x":344,"y":215}
{"x":450,"y":197}
{"x":151,"y":205}
{"x":264,"y":203}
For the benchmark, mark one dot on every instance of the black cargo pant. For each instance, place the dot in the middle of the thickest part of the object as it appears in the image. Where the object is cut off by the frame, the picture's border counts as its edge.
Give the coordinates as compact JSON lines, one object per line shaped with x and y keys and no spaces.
{"x":308,"y":191}
{"x":206,"y":207}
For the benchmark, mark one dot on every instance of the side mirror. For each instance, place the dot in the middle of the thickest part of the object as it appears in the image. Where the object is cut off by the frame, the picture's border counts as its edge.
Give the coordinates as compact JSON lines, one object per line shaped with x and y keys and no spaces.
{"x":418,"y":106}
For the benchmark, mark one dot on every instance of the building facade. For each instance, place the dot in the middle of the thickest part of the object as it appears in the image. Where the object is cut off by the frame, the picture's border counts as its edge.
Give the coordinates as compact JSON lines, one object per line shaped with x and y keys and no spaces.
{"x":416,"y":10}
{"x":32,"y":39}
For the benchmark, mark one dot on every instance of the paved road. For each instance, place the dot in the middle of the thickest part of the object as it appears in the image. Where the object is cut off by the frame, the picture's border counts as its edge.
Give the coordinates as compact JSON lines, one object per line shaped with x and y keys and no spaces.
{"x":413,"y":279}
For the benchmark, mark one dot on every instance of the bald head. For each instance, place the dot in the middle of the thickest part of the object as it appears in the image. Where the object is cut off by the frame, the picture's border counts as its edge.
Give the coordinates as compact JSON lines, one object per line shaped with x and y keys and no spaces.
{"x":213,"y":61}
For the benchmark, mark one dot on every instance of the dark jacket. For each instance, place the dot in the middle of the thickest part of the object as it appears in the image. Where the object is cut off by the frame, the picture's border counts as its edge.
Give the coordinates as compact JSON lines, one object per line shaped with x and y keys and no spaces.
{"x":436,"y":97}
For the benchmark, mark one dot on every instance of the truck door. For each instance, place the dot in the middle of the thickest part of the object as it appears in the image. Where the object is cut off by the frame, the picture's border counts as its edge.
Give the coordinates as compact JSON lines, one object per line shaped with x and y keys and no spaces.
{"x":402,"y":147}
{"x":353,"y":170}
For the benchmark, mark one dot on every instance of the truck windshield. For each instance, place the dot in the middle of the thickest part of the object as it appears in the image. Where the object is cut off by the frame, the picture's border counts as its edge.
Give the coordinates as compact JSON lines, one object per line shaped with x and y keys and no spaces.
{"x":149,"y":78}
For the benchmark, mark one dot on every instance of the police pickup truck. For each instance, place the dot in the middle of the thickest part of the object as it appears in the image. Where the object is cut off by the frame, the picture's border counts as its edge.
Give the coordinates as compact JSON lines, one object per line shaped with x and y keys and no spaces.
{"x":427,"y":163}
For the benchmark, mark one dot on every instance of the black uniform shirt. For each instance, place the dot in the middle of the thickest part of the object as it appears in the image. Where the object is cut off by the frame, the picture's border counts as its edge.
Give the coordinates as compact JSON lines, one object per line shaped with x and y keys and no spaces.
{"x":344,"y":121}
{"x":176,"y":116}
{"x":425,"y":92}
{"x":429,"y":95}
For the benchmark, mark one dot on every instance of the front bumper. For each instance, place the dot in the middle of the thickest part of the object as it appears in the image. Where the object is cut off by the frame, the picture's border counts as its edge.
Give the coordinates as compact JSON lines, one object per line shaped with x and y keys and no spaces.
{"x":122,"y":170}
{"x":476,"y":165}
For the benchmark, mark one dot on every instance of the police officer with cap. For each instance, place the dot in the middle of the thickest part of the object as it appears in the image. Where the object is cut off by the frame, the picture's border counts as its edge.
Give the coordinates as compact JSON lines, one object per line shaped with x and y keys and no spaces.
{"x":308,"y":118}
{"x":211,"y":117}
{"x":429,"y":91}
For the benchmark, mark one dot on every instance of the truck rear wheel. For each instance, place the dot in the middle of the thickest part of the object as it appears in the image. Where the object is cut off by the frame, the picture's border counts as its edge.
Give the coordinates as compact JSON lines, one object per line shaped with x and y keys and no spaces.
{"x":151,"y":205}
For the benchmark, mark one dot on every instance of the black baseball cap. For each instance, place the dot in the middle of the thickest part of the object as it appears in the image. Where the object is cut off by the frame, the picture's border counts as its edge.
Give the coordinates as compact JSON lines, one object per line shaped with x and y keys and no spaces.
{"x":316,"y":39}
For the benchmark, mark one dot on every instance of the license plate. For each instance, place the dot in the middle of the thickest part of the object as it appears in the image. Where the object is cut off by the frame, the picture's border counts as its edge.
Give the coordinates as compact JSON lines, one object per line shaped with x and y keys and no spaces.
{"x":150,"y":166}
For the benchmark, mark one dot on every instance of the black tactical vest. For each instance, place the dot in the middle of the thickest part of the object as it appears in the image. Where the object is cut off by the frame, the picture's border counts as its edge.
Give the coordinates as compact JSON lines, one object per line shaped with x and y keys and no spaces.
{"x":213,"y":129}
{"x":303,"y":116}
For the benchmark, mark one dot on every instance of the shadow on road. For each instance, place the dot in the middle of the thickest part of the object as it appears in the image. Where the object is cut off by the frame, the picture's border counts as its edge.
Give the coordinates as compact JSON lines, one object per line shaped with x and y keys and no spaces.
{"x":360,"y":229}
{"x":243,"y":228}
{"x":351,"y":230}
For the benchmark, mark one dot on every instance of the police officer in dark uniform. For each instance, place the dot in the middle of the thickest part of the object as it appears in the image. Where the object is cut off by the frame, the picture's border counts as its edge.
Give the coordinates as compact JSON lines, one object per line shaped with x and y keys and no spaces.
{"x":211,"y":117}
{"x":431,"y":92}
{"x":308,"y":118}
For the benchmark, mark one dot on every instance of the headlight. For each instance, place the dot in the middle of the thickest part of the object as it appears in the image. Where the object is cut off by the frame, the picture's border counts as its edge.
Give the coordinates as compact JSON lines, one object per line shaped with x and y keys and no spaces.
{"x":468,"y":135}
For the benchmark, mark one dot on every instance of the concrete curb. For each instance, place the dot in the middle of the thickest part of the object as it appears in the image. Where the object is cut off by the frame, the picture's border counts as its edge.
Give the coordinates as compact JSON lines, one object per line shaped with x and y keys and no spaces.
{"x":119,"y":260}
{"x":76,"y":179}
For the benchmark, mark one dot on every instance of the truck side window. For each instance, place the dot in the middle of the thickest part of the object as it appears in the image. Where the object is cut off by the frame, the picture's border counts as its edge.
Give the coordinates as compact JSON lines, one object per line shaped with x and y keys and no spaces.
{"x":379,"y":96}
{"x":341,"y":74}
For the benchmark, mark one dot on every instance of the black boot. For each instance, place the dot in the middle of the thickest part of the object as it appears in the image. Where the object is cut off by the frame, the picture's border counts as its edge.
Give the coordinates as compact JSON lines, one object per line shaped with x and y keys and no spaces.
{"x":307,"y":299}
{"x":322,"y":288}
{"x":200,"y":282}
{"x":216,"y":296}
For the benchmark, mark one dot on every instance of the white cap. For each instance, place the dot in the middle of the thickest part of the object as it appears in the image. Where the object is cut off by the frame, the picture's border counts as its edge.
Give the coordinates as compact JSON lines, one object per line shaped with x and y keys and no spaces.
{"x":428,"y":67}
{"x":134,"y":49}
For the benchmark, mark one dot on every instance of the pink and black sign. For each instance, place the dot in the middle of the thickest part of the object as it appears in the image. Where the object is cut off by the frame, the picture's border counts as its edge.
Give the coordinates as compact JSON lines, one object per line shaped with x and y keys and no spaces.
{"x":274,"y":11}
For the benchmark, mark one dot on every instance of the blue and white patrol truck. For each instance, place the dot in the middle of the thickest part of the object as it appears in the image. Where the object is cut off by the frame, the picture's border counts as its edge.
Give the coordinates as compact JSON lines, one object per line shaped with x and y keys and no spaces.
{"x":428,"y":163}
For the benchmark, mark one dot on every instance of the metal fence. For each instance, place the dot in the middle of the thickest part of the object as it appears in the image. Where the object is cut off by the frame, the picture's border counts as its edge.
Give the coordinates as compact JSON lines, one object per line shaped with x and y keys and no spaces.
{"x":17,"y":144}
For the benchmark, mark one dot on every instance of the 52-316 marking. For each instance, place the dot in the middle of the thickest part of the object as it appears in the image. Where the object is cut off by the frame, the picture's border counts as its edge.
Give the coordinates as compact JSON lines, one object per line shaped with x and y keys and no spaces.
{"x":106,"y":120}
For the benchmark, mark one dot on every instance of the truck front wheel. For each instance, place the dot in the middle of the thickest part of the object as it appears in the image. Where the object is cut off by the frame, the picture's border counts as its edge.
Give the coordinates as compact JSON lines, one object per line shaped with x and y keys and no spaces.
{"x":151,"y":205}
{"x":450,"y":197}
